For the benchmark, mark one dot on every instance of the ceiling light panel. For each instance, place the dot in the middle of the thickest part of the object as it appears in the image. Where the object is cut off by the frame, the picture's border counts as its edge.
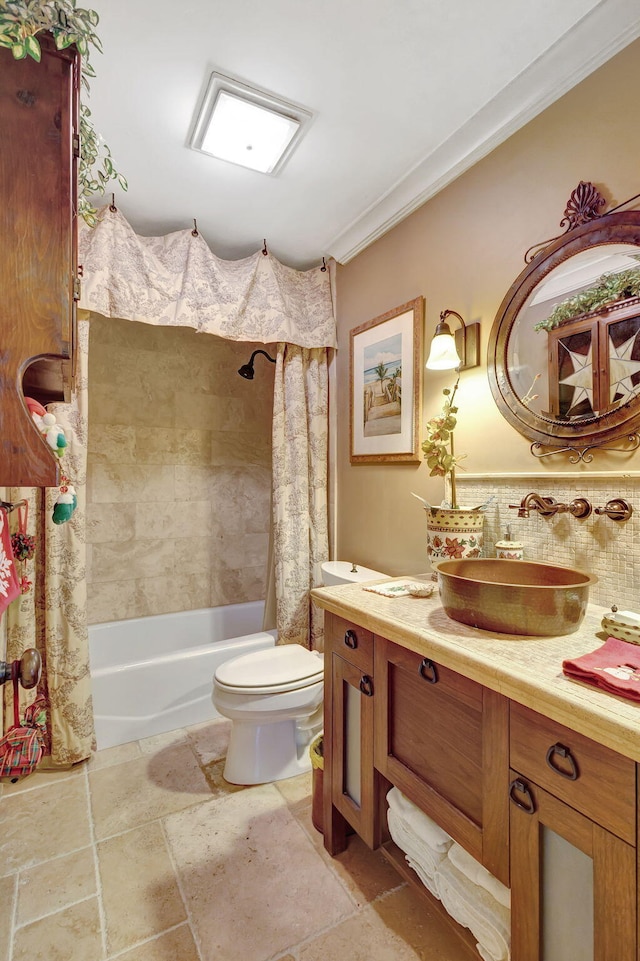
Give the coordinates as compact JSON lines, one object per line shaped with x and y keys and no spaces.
{"x":246,"y":126}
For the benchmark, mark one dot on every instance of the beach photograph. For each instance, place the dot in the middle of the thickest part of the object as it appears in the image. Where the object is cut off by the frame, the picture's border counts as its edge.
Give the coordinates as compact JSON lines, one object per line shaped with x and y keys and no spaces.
{"x":382,"y":387}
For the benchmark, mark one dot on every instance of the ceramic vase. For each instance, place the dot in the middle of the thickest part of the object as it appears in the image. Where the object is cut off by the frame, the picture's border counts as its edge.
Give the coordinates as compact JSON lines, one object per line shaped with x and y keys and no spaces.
{"x":454,"y":533}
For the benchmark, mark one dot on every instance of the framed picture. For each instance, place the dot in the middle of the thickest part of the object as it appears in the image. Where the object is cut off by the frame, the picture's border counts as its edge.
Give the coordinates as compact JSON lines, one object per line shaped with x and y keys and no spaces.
{"x":385,"y":372}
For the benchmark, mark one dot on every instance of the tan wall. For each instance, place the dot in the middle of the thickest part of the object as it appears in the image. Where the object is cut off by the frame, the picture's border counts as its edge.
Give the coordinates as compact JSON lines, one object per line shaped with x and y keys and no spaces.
{"x":179,"y":471}
{"x":462,"y":250}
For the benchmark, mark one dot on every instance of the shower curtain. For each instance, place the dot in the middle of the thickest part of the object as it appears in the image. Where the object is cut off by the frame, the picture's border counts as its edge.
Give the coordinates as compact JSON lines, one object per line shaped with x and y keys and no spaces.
{"x":52,"y":615}
{"x":177,"y":281}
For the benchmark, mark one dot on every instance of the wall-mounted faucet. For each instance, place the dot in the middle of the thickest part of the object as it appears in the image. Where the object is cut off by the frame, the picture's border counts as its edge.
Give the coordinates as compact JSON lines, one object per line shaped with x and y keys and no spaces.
{"x":549,"y":506}
{"x":617,"y":509}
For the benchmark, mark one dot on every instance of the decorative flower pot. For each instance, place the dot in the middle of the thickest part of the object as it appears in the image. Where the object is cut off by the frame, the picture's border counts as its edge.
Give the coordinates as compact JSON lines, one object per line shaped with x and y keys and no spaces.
{"x":454,"y":533}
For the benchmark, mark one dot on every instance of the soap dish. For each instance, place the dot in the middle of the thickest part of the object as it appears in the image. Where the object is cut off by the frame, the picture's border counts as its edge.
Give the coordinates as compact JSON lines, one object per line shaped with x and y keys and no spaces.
{"x":624,"y":632}
{"x":421,"y":590}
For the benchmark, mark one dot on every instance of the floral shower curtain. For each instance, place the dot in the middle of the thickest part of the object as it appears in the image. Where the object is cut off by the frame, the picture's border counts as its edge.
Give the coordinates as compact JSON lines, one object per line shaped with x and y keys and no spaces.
{"x":300,"y":528}
{"x":52,"y":615}
{"x":177,"y":281}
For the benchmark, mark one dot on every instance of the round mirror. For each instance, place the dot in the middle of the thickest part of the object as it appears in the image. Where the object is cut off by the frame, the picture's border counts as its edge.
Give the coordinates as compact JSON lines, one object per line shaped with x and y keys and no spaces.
{"x":564,"y":351}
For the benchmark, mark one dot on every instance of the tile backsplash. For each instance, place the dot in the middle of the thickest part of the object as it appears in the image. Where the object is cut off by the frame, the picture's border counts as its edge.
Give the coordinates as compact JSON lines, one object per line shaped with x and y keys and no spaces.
{"x":604,"y":547}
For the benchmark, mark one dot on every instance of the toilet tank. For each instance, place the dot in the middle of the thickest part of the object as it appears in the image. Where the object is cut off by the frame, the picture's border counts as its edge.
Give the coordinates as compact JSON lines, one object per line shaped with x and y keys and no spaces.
{"x":344,"y":572}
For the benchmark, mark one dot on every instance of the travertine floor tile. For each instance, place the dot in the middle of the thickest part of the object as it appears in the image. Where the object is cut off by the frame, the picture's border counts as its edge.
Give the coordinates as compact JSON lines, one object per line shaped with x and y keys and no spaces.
{"x":418,"y":926}
{"x":176,"y":945}
{"x":56,"y":884}
{"x":214,"y":773}
{"x":364,"y":937}
{"x":7,"y":894}
{"x":211,"y":740}
{"x":114,"y":755}
{"x":253,"y":882}
{"x":158,"y":742}
{"x":40,"y":779}
{"x":127,"y":795}
{"x":27,"y":822}
{"x":69,"y":935}
{"x":140,"y":894}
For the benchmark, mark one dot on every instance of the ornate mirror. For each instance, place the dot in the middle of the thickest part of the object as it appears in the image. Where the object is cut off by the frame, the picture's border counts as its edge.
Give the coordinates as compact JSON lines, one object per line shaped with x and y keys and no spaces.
{"x":564,"y":351}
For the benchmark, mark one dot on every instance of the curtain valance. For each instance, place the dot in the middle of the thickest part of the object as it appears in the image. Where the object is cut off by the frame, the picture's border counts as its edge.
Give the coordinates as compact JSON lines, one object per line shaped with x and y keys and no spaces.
{"x":176,"y":280}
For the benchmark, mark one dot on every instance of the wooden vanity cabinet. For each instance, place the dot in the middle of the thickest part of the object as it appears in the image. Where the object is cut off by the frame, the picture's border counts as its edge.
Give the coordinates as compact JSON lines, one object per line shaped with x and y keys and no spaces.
{"x":572,"y":844}
{"x":351,"y":797}
{"x":442,"y":739}
{"x":38,"y":251}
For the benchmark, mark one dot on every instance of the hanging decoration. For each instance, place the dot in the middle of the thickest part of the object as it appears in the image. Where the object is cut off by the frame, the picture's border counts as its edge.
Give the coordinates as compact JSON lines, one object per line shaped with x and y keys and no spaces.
{"x":23,"y":546}
{"x":66,"y":501}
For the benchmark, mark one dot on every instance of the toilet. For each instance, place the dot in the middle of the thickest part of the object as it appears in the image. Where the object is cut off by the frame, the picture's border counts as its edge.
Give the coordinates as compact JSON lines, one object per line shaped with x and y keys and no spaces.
{"x":273,"y":698}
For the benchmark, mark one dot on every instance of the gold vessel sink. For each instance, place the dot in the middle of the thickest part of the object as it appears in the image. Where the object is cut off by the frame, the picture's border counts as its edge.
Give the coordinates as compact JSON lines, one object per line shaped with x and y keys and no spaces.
{"x":514,"y":597}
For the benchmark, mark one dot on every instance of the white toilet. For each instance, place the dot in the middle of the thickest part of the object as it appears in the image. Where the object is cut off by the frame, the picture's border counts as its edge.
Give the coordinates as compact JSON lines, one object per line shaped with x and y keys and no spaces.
{"x":274,"y":699}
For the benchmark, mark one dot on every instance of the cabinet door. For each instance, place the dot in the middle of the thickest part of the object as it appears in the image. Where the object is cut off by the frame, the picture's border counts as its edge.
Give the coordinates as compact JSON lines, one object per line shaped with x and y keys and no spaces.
{"x":351,"y":753}
{"x":573,"y":884}
{"x":442,"y":739}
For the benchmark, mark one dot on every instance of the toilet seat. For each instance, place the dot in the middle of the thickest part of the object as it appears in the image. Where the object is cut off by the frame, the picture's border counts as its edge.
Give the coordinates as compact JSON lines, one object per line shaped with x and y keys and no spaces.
{"x":288,"y":667}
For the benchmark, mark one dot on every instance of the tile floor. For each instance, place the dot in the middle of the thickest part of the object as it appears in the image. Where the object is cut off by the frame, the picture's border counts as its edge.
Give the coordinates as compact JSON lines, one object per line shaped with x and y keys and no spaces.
{"x":145,"y":853}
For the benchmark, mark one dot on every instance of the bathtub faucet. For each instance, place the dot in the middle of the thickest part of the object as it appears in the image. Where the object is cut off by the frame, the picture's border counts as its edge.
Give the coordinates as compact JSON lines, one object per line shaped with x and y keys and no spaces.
{"x":549,"y":506}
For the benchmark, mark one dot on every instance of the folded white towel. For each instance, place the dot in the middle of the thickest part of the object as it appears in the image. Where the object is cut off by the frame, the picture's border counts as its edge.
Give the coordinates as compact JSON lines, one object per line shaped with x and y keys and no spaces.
{"x":420,"y":823}
{"x":427,"y":879}
{"x":416,"y":851}
{"x":474,"y":908}
{"x":475,"y":871}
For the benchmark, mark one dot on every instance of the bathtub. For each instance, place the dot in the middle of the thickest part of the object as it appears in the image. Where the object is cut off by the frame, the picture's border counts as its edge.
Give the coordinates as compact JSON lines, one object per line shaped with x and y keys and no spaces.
{"x":154,"y":674}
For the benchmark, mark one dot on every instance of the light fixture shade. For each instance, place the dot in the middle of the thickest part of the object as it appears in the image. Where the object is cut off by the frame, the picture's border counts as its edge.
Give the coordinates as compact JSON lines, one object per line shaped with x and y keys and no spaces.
{"x":443,"y":354}
{"x":246,"y":126}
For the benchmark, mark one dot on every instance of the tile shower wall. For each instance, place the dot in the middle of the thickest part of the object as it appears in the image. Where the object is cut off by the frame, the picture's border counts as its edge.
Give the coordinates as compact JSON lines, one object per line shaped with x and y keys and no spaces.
{"x":179,"y":471}
{"x":595,"y":544}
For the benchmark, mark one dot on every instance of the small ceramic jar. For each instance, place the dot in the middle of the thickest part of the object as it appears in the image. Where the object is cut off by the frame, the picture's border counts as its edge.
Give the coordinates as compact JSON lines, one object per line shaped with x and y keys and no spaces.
{"x":510,"y":550}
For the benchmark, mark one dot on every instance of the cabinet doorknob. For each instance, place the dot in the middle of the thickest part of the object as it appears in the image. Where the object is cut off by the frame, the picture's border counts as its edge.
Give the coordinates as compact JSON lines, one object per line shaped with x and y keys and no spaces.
{"x":366,"y":685}
{"x":428,"y":671}
{"x":528,"y":806}
{"x":566,"y":754}
{"x":351,"y":639}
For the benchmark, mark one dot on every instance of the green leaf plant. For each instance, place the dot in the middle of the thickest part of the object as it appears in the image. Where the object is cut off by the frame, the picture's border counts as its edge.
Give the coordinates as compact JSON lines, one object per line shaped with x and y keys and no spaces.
{"x":20,"y":23}
{"x":608,"y":289}
{"x":438,"y":444}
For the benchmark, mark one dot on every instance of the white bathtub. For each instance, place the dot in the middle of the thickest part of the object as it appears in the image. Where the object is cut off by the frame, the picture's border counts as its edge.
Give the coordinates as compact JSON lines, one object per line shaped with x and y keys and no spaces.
{"x":154,"y":674}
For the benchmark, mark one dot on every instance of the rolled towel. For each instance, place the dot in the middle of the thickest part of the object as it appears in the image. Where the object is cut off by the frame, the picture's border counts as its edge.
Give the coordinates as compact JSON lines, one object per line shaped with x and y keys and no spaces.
{"x":474,"y":908}
{"x":417,"y":853}
{"x":475,"y":871}
{"x":418,"y":821}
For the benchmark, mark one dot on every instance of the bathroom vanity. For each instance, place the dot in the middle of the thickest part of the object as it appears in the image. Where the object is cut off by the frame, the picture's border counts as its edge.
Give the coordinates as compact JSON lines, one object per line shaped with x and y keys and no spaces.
{"x":534,"y":774}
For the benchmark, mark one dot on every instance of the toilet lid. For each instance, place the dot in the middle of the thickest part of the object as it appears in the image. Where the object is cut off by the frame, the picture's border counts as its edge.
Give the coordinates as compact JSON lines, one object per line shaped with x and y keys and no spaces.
{"x":283,"y":668}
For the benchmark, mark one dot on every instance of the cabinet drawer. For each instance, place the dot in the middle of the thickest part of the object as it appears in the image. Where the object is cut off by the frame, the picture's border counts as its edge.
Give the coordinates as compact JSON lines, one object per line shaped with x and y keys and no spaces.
{"x":591,"y":778}
{"x":350,"y":641}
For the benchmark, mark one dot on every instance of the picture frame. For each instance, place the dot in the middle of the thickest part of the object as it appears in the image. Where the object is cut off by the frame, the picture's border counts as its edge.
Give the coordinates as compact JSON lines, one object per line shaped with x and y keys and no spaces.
{"x":385,"y":381}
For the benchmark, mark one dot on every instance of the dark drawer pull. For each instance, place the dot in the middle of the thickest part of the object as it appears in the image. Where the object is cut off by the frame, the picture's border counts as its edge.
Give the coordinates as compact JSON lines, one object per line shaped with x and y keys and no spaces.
{"x":366,"y":685}
{"x":351,"y":639}
{"x":523,"y":788}
{"x":428,"y":671}
{"x":566,"y":754}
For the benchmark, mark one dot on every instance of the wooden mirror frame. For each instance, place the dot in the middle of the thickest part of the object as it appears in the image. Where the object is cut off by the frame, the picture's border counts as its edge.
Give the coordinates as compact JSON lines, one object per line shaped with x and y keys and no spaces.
{"x":613,"y":228}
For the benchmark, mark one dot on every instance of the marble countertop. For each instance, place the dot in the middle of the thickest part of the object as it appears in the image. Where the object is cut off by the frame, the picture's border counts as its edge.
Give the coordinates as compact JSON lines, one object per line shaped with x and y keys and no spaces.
{"x":524,"y":668}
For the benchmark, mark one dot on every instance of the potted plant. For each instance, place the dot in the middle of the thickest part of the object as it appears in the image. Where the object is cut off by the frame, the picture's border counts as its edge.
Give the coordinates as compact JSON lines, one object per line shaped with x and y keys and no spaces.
{"x":20,"y":23}
{"x":453,"y":532}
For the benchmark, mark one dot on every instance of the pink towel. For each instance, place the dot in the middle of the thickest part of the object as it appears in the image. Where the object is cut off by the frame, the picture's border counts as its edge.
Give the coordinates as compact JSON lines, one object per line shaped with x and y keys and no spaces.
{"x":614,"y":667}
{"x":9,"y":586}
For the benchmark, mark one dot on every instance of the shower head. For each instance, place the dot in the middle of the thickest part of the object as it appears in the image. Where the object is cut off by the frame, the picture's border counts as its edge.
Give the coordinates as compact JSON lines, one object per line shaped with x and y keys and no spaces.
{"x":247,"y":370}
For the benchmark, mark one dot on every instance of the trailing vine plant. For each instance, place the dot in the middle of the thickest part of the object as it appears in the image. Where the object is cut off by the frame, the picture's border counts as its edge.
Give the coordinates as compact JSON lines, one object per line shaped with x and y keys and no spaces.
{"x":609,"y":288}
{"x":20,"y":23}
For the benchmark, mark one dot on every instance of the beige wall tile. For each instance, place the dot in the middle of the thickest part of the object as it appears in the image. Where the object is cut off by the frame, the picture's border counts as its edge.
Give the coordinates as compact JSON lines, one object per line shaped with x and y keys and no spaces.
{"x":241,"y":448}
{"x":73,"y":934}
{"x":148,"y":558}
{"x":110,"y":522}
{"x":236,"y":586}
{"x":112,"y":443}
{"x":28,"y":815}
{"x":56,"y":884}
{"x":111,"y":600}
{"x":162,"y":445}
{"x":184,"y":591}
{"x":143,"y":899}
{"x":129,"y":483}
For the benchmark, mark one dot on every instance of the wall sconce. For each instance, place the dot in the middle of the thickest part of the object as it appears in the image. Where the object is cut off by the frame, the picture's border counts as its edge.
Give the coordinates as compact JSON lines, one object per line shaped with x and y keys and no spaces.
{"x":461,"y":350}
